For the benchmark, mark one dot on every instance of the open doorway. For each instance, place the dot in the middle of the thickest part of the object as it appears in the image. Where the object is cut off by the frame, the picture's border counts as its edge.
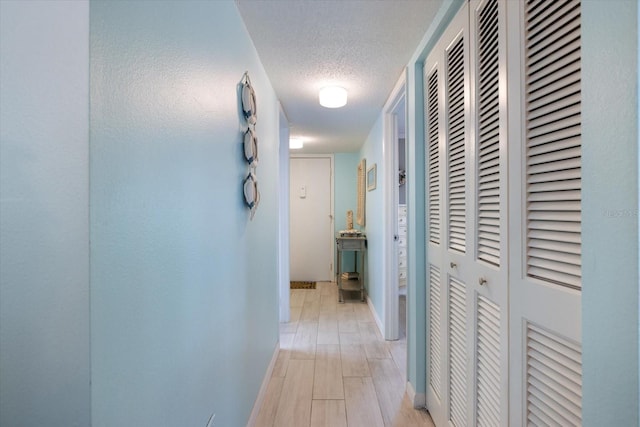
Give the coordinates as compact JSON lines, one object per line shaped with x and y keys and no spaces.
{"x":395,"y":197}
{"x":401,"y":203}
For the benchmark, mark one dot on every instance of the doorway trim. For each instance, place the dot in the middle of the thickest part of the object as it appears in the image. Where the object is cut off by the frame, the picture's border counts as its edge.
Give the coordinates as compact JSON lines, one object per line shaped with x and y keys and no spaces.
{"x":389,"y":154}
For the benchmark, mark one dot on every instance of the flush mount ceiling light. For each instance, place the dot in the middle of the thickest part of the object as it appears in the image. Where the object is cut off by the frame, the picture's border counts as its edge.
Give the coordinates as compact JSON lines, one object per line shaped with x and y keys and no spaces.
{"x":333,"y":96}
{"x":295,"y":143}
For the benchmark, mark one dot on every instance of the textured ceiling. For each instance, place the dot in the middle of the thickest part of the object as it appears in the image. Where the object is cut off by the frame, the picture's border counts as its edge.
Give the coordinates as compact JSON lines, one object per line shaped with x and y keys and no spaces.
{"x":362,"y":45}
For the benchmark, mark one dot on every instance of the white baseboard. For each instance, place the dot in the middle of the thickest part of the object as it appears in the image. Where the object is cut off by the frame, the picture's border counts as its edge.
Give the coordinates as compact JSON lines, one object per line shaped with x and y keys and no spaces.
{"x":419,"y":400}
{"x":263,"y":388}
{"x":375,"y":316}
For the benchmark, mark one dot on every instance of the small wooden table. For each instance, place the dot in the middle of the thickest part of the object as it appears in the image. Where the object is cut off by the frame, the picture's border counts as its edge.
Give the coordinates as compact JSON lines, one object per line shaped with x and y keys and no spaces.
{"x":357,"y":244}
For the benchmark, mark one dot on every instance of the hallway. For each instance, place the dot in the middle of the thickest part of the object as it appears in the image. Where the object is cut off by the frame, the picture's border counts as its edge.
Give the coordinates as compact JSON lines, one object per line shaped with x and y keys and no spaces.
{"x":335,"y":369}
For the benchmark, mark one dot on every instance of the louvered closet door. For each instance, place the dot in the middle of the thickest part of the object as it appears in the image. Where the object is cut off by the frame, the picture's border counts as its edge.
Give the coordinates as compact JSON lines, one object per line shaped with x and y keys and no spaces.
{"x":437,"y":350}
{"x":504,"y":206}
{"x":446,"y":97}
{"x":546,"y":372}
{"x":467,"y":381}
{"x":489,"y":222}
{"x":444,"y":72}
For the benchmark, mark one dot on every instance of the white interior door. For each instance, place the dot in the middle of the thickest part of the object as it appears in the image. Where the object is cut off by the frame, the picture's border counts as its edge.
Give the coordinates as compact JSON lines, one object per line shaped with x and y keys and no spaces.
{"x":446,"y":97}
{"x":311,"y":218}
{"x":488,"y":224}
{"x":545,"y":280}
{"x":437,"y":354}
{"x":467,"y":168}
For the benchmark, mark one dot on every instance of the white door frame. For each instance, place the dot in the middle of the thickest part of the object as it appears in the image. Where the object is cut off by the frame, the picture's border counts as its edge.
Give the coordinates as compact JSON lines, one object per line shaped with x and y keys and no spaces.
{"x":390,"y":214}
{"x":331,"y":208}
{"x":283,"y":217}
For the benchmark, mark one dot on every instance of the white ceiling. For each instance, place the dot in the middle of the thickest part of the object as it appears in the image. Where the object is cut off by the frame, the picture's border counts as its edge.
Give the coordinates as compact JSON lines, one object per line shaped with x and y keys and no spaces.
{"x":362,"y":45}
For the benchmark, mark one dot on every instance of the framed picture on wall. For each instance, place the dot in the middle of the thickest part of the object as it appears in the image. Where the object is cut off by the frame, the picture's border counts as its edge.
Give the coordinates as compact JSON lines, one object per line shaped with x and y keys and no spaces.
{"x":371,"y":177}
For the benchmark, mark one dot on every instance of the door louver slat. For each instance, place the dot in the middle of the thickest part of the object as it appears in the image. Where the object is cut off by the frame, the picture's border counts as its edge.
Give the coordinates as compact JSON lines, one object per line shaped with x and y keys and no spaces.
{"x":554,"y":379}
{"x":488,"y":369}
{"x":553,"y":141}
{"x":488,"y":143}
{"x":546,"y":238}
{"x":565,"y":181}
{"x":566,"y":141}
{"x":558,"y":246}
{"x":546,"y":98}
{"x":457,"y":352}
{"x":456,"y":147}
{"x":433,"y":167}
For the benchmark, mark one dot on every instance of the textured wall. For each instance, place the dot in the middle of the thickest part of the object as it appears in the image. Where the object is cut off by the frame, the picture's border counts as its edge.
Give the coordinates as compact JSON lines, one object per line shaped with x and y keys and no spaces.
{"x":345,"y":179}
{"x":345,"y":195}
{"x":44,"y":210}
{"x":609,"y":212}
{"x":184,"y":297}
{"x":372,"y":152}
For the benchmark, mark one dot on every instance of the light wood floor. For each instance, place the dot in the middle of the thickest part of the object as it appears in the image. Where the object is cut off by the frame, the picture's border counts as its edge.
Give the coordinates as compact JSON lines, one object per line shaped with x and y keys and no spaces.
{"x":334,"y":369}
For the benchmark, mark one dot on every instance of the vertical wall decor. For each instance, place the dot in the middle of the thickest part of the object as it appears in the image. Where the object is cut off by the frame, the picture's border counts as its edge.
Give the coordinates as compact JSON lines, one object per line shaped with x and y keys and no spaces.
{"x":250,"y":141}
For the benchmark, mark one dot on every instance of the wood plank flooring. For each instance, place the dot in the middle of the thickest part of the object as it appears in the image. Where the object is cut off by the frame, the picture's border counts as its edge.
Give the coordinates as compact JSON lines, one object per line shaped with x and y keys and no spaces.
{"x":335,"y":369}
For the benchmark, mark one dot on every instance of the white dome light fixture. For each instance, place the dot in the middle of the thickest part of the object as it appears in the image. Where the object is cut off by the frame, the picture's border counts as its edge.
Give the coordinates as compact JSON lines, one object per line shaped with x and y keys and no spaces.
{"x":333,"y":97}
{"x":295,"y":143}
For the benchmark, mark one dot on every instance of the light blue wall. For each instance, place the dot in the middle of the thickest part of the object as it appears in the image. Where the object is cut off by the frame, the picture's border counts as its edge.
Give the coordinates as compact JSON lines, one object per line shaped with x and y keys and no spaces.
{"x":416,"y":287}
{"x":44,"y":210}
{"x":345,"y":195}
{"x":184,"y":288}
{"x":609,"y":213}
{"x":372,"y":151}
{"x":345,"y":187}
